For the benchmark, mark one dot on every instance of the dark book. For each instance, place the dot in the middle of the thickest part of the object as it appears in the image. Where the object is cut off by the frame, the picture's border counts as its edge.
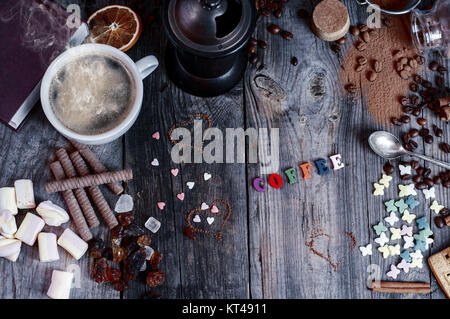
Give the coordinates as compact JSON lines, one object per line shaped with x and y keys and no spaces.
{"x":32,"y":34}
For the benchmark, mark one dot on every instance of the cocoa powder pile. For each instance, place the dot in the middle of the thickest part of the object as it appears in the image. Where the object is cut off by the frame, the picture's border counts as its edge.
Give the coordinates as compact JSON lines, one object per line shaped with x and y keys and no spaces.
{"x":372,"y":66}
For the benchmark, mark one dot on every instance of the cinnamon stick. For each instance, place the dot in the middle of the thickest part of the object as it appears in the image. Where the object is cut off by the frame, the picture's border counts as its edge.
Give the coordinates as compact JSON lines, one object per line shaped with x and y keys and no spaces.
{"x":88,"y":180}
{"x":400,"y":287}
{"x":96,"y":165}
{"x":95,"y":192}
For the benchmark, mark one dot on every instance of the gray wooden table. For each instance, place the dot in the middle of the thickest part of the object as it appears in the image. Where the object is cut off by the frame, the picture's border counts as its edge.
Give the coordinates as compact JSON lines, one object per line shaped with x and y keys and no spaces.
{"x":264,"y":252}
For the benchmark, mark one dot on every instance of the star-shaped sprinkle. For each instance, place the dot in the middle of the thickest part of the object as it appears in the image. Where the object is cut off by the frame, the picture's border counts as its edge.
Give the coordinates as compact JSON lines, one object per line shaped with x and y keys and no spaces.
{"x":395,"y":233}
{"x":394,"y":250}
{"x":404,"y":265}
{"x":385,"y":179}
{"x":406,"y":190}
{"x":384,"y":250}
{"x":406,"y":230}
{"x":408,"y":217}
{"x":405,"y":256}
{"x":429,"y":193}
{"x":416,"y":263}
{"x":382,"y":240}
{"x":366,"y":250}
{"x":392,"y":219}
{"x":435,"y":207}
{"x":405,"y":170}
{"x":378,"y":189}
{"x":401,"y":205}
{"x":416,"y":254}
{"x":420,"y":245}
{"x":409,"y":242}
{"x":379,"y":228}
{"x":393,"y":273}
{"x":412,"y":202}
{"x":422,"y":223}
{"x":390,"y":207}
{"x":429,"y":241}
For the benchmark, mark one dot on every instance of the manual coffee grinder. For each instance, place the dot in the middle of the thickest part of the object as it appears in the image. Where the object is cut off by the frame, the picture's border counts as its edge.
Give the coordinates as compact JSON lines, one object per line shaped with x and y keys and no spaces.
{"x":206,"y":52}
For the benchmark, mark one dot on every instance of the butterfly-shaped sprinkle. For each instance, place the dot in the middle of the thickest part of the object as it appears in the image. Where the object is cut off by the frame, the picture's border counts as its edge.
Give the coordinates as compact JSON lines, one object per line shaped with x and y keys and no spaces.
{"x":395,"y":233}
{"x":405,"y":256}
{"x":404,"y":265}
{"x":366,"y":250}
{"x":391,"y":219}
{"x":416,"y":263}
{"x":384,"y":250}
{"x":379,"y":228}
{"x":385,"y":179}
{"x":412,"y":202}
{"x":382,"y":240}
{"x":409,"y":242}
{"x":405,"y":170}
{"x":393,"y":273}
{"x":401,"y":205}
{"x":429,"y":193}
{"x":406,"y":190}
{"x":420,"y":245}
{"x":390,"y":207}
{"x":422,"y":223}
{"x":408,"y":217}
{"x":406,"y":230}
{"x":429,"y":241}
{"x":435,"y":207}
{"x":423,"y":234}
{"x":416,"y":254}
{"x":379,"y":189}
{"x":394,"y":250}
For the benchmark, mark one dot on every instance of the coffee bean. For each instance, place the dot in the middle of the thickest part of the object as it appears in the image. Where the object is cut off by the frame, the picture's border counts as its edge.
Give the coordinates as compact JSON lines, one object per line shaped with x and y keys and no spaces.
{"x":351,"y":88}
{"x":407,"y":109}
{"x":424,"y":132}
{"x":405,"y":177}
{"x":414,"y":99}
{"x":405,"y":119}
{"x":437,"y":180}
{"x":444,"y":212}
{"x":417,"y":78}
{"x":399,"y":67}
{"x":443,"y":176}
{"x":395,"y":121}
{"x":417,"y":179}
{"x":429,"y":182}
{"x":363,"y":28}
{"x":377,"y":66}
{"x":372,"y":76}
{"x":420,"y":59}
{"x":287,"y":35}
{"x":262,"y":44}
{"x":413,"y":63}
{"x":361,"y":60}
{"x":426,"y":172}
{"x":365,"y":36}
{"x":404,"y":74}
{"x":265,"y":12}
{"x":439,"y":81}
{"x":404,"y":101}
{"x":407,"y":68}
{"x":413,"y":144}
{"x":426,"y":84}
{"x":253,"y":58}
{"x":278,"y":13}
{"x":439,"y":222}
{"x":373,"y":33}
{"x":354,"y":31}
{"x":420,"y":170}
{"x":406,"y":138}
{"x":413,"y":132}
{"x":444,"y":147}
{"x":428,"y":139}
{"x":302,"y":13}
{"x":253,"y":41}
{"x":360,"y":46}
{"x":335,"y":48}
{"x":359,"y":68}
{"x":251,"y":49}
{"x":294,"y":61}
{"x":408,"y":147}
{"x":274,"y":29}
{"x":414,"y":164}
{"x":341,"y":41}
{"x":421,"y":121}
{"x":433,"y":66}
{"x":388,"y":168}
{"x":417,"y":111}
{"x":442,"y":70}
{"x":446,"y":184}
{"x":413,"y":87}
{"x":404,"y":60}
{"x":421,"y":186}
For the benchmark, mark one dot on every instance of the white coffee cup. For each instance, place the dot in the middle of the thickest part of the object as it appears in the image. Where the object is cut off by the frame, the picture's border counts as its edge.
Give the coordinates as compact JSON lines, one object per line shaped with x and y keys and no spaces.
{"x":138,"y":71}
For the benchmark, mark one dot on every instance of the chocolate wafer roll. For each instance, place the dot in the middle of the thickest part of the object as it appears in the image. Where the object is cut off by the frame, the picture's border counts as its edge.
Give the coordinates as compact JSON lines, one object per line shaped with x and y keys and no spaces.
{"x":96,"y":165}
{"x":72,"y":204}
{"x":95,"y":192}
{"x":80,"y":193}
{"x":89,"y":180}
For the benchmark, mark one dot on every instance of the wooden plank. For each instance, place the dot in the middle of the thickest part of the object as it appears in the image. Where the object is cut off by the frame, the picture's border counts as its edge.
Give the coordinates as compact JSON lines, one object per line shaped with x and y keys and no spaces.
{"x":202,"y":268}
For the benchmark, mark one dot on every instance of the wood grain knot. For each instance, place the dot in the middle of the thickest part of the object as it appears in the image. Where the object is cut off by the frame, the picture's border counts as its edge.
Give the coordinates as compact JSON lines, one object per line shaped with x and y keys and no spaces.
{"x":273,"y":90}
{"x":316,"y":86}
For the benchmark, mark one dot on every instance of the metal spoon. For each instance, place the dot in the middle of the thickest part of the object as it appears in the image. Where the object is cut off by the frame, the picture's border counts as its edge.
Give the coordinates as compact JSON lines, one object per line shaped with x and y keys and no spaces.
{"x":388,"y":146}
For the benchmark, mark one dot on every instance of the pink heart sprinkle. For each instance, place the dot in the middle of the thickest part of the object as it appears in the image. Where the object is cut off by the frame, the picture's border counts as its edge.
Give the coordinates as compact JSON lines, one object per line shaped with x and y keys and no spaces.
{"x":180,"y":196}
{"x":161,"y":205}
{"x":174,"y":171}
{"x":214,"y":209}
{"x":156,"y":135}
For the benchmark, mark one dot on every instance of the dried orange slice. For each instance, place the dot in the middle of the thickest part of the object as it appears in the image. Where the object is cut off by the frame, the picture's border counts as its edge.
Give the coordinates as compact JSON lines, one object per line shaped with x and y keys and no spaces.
{"x":115,"y":25}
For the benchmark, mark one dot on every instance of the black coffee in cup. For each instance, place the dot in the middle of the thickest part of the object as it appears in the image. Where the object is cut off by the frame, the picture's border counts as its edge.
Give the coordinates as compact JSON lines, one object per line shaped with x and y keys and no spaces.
{"x":92,"y":94}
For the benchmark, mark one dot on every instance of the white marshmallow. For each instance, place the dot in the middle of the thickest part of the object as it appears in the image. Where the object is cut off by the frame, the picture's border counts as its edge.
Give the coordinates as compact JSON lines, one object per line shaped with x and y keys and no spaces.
{"x":24,"y":194}
{"x":48,"y":250}
{"x":8,"y":225}
{"x":8,"y":199}
{"x":29,"y":229}
{"x":52,"y":214}
{"x":70,"y":241}
{"x":9,"y":247}
{"x":60,"y":285}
